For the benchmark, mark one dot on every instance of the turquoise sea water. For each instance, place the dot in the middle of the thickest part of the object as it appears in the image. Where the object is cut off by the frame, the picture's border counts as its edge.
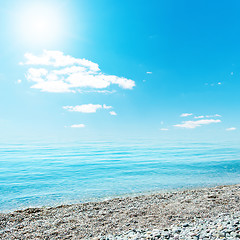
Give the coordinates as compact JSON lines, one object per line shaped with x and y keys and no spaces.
{"x":51,"y":174}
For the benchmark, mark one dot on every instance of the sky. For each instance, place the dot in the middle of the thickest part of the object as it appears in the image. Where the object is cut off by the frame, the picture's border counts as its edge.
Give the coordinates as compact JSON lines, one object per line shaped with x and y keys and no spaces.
{"x":73,"y":69}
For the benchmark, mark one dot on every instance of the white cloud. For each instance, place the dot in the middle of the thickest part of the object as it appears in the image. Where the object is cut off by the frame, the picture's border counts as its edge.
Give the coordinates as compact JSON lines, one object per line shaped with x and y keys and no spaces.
{"x":85,"y":108}
{"x":97,"y":91}
{"x":58,"y":59}
{"x":211,"y":116}
{"x":88,"y":108}
{"x":78,"y":125}
{"x":53,"y":86}
{"x":149,"y":72}
{"x":186,"y":114}
{"x":113,"y":113}
{"x":198,"y":123}
{"x":231,"y":129}
{"x":163,"y":129}
{"x":208,"y":116}
{"x":106,"y":107}
{"x":199,"y":116}
{"x":68,"y":74}
{"x":36,"y":74}
{"x":18,"y":81}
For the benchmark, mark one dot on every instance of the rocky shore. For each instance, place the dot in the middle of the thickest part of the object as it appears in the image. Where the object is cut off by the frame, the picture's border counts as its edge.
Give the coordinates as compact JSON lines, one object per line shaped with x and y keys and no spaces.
{"x":206,"y":213}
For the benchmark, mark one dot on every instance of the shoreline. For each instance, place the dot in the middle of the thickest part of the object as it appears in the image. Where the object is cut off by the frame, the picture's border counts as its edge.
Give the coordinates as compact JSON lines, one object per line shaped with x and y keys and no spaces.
{"x":132,"y":217}
{"x":116,"y":196}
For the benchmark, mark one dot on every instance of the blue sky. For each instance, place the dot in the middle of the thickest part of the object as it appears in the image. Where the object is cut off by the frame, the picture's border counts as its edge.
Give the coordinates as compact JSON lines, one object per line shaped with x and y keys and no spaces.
{"x":95,"y":69}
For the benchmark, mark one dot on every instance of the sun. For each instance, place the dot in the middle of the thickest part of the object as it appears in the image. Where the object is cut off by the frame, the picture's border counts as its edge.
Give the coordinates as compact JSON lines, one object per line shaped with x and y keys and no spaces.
{"x":40,"y":23}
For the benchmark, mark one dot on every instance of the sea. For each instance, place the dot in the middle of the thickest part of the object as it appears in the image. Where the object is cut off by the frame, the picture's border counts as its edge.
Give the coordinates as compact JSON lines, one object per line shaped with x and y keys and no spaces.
{"x":51,"y":174}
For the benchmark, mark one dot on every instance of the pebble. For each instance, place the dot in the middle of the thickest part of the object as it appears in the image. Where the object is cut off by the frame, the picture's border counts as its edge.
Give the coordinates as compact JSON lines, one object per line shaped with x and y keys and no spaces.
{"x":158,"y":216}
{"x":199,"y":230}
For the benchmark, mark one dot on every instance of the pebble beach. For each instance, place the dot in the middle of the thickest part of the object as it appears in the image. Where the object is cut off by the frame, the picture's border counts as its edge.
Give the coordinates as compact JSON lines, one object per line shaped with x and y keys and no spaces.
{"x":204,"y":213}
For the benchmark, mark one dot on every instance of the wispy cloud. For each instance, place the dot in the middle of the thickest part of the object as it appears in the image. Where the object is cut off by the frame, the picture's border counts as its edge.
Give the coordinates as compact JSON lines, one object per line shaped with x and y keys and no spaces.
{"x":213,"y":84}
{"x":211,"y":116}
{"x":148,"y":72}
{"x":78,"y":125}
{"x":198,"y":123}
{"x":106,"y":107}
{"x":163,"y":129}
{"x":186,"y":114}
{"x":231,"y":129}
{"x":208,"y":116}
{"x":201,"y":116}
{"x":55,"y":72}
{"x":113,"y":113}
{"x":87,"y":108}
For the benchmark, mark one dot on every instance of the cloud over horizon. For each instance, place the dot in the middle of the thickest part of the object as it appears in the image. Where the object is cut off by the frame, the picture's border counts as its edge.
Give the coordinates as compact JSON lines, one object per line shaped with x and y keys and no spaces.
{"x":231,"y":129}
{"x":198,"y":123}
{"x":55,"y":72}
{"x":78,"y":125}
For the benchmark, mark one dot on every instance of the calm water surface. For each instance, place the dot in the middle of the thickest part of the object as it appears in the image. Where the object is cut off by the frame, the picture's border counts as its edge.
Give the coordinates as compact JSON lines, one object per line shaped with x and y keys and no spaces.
{"x":52,"y":174}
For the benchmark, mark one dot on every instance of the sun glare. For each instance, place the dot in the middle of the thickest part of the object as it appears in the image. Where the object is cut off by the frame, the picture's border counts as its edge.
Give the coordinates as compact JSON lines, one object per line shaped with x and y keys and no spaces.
{"x":39,"y":24}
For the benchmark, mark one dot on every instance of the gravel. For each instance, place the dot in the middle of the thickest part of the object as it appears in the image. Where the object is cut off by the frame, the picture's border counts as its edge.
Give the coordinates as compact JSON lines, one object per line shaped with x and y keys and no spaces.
{"x":206,"y":213}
